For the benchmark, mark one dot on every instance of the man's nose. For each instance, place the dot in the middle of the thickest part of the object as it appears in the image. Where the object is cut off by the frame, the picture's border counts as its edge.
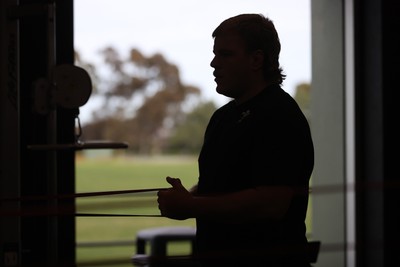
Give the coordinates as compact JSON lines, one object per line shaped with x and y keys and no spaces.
{"x":213,"y":62}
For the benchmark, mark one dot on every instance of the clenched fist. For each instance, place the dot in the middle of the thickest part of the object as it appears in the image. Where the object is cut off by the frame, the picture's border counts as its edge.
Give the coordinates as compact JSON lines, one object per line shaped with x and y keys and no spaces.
{"x":175,"y":202}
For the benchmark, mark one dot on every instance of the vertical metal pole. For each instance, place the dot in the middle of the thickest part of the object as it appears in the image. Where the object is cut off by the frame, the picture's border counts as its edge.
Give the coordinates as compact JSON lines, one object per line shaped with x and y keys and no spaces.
{"x":10,"y":157}
{"x":52,"y":235}
{"x":350,"y":133}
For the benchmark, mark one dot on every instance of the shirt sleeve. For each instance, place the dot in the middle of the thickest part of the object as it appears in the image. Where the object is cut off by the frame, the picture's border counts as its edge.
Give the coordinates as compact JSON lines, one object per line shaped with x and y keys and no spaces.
{"x":280,"y":153}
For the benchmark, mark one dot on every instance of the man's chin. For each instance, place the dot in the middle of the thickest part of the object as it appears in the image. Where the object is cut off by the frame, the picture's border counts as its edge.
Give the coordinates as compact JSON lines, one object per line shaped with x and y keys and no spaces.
{"x":223,"y":91}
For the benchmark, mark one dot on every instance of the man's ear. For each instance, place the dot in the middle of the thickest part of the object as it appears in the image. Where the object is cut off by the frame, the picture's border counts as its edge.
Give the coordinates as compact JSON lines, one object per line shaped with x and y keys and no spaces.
{"x":258,"y":59}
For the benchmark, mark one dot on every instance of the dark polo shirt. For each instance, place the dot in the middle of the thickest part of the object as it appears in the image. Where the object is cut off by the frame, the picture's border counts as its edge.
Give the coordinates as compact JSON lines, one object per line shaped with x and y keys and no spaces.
{"x":265,"y":141}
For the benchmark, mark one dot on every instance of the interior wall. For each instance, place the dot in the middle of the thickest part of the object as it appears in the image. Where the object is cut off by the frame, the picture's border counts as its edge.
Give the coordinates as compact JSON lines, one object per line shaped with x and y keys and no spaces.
{"x":378,"y":182}
{"x":354,"y":94}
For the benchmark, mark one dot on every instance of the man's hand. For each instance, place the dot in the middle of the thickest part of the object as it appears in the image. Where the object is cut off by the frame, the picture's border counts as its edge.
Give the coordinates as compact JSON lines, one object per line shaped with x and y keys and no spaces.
{"x":175,"y":202}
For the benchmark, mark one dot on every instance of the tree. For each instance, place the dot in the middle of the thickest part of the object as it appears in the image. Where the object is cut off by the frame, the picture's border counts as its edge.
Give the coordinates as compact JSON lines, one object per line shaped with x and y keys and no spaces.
{"x":188,"y":136}
{"x":142,"y":100}
{"x":303,"y":98}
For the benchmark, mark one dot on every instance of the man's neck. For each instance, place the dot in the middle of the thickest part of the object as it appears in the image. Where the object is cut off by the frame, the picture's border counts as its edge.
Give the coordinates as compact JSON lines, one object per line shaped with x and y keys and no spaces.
{"x":252,"y":92}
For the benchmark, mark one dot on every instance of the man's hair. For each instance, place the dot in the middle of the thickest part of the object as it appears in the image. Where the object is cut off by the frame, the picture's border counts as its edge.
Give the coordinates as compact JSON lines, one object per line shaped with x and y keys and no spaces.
{"x":258,"y":33}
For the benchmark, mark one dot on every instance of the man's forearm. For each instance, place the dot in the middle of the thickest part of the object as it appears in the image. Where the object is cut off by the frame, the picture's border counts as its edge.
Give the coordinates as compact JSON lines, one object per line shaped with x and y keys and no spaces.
{"x":247,"y":205}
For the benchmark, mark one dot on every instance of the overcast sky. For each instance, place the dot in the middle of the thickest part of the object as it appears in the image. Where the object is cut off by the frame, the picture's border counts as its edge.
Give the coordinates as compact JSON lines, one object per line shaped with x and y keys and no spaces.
{"x":181,"y":31}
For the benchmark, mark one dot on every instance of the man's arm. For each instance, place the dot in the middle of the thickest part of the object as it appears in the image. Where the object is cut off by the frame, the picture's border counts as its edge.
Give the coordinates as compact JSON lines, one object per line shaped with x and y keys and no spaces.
{"x":246,"y":205}
{"x":193,"y":190}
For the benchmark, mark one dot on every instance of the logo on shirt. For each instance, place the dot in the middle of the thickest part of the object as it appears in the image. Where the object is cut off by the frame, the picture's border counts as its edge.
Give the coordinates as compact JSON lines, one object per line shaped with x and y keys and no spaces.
{"x":244,"y":115}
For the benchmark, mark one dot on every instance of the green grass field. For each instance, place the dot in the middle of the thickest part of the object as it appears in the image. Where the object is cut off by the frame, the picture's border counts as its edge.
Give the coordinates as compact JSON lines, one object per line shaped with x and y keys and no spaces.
{"x":94,"y":175}
{"x":122,"y":173}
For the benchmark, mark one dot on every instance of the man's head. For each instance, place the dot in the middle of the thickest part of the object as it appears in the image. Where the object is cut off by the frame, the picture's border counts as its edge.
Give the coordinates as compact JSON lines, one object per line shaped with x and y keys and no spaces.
{"x":254,"y":44}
